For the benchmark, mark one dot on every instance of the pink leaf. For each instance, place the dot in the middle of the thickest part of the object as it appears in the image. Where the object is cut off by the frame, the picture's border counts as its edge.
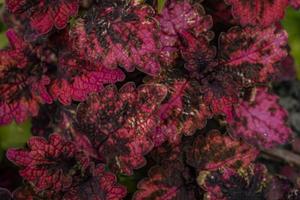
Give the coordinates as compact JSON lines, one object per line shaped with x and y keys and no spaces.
{"x":216,"y":150}
{"x":258,"y":12}
{"x":41,"y":16}
{"x":295,"y":3}
{"x":261,"y":122}
{"x":120,"y":34}
{"x":119,"y":123}
{"x":251,"y":53}
{"x":178,"y":17}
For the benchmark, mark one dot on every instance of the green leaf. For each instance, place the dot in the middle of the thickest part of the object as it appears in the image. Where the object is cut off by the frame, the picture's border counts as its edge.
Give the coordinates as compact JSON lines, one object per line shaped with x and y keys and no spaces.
{"x":160,"y":5}
{"x":3,"y":40}
{"x":291,"y":24}
{"x":14,"y":135}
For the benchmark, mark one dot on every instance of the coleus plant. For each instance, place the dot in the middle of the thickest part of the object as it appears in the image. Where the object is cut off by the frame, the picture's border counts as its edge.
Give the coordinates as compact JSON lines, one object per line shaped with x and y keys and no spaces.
{"x":115,"y":87}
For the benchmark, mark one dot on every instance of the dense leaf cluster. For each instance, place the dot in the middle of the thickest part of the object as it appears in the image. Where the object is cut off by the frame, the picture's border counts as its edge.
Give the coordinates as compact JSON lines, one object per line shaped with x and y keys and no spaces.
{"x":116,"y":87}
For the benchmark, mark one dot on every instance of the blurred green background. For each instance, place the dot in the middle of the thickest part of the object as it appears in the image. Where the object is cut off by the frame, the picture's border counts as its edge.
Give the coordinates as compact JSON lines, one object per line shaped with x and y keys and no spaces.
{"x":16,"y":135}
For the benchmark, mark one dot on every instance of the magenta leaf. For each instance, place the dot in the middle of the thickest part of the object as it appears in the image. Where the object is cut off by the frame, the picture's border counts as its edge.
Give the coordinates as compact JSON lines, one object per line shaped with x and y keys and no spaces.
{"x":295,"y":3}
{"x":216,"y":150}
{"x":41,"y":16}
{"x":226,"y":184}
{"x":286,"y":70}
{"x":119,"y":123}
{"x":261,"y":122}
{"x":23,"y":83}
{"x":258,"y":12}
{"x":191,"y":101}
{"x":182,"y":112}
{"x":197,"y":53}
{"x":52,"y":165}
{"x":23,"y":90}
{"x":221,"y":14}
{"x":220,"y":91}
{"x":121,"y":34}
{"x":251,"y":53}
{"x":15,"y":54}
{"x":171,"y":181}
{"x":94,"y":183}
{"x":98,"y":185}
{"x":281,"y":188}
{"x":178,"y":17}
{"x":78,"y":78}
{"x":26,"y":192}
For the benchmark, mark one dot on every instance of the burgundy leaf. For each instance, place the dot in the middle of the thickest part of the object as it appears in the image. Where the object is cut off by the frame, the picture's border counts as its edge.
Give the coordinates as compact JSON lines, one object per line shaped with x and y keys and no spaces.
{"x":119,"y":123}
{"x":41,"y":16}
{"x":121,"y":34}
{"x":280,"y":188}
{"x":15,"y":54}
{"x":197,"y":52}
{"x":23,"y":84}
{"x":167,"y":153}
{"x":258,"y":12}
{"x":191,"y":101}
{"x":182,"y":112}
{"x":251,"y":53}
{"x":26,"y":192}
{"x":97,"y":186}
{"x":221,"y":90}
{"x":78,"y":78}
{"x":295,"y":3}
{"x":168,"y":182}
{"x":178,"y":17}
{"x":94,"y":183}
{"x":261,"y":122}
{"x":216,"y":150}
{"x":226,"y":184}
{"x":22,"y":93}
{"x":286,"y":70}
{"x":221,"y":14}
{"x":46,"y":121}
{"x":52,"y":165}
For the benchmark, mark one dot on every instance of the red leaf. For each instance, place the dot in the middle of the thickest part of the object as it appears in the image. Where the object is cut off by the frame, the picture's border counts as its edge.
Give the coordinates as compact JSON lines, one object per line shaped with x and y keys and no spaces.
{"x":119,"y":123}
{"x":295,"y":3}
{"x":258,"y":12}
{"x":119,"y":34}
{"x":183,"y":111}
{"x":78,"y":78}
{"x":261,"y":122}
{"x":93,"y":184}
{"x":197,"y":53}
{"x":251,"y":53}
{"x":99,"y":185}
{"x":216,"y":150}
{"x":26,"y":192}
{"x":23,"y":82}
{"x":171,"y":181}
{"x":220,"y":92}
{"x":221,"y":14}
{"x":280,"y":188}
{"x":226,"y":184}
{"x":43,"y":15}
{"x":178,"y":17}
{"x":191,"y":101}
{"x":49,"y":165}
{"x":15,"y":54}
{"x":22,"y":93}
{"x":286,"y":70}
